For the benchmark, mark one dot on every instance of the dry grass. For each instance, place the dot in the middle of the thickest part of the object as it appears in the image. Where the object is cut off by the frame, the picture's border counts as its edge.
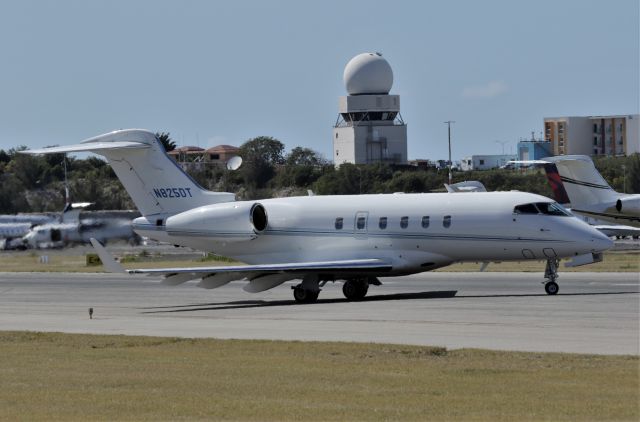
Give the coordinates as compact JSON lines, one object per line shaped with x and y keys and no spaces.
{"x":86,"y":377}
{"x":623,"y":261}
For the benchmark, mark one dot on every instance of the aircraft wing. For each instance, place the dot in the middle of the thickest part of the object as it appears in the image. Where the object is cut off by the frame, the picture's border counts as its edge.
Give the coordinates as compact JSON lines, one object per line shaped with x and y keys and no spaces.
{"x":529,"y":162}
{"x":618,"y":230}
{"x":299,"y":267}
{"x":347,"y":265}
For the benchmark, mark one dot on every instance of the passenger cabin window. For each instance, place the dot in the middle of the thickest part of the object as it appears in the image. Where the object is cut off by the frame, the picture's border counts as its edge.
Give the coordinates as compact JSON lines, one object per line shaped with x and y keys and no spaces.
{"x":546,"y":208}
{"x":360,"y":222}
{"x":382,"y":223}
{"x":339,"y":223}
{"x":404,"y":222}
{"x":446,"y":221}
{"x":425,"y":221}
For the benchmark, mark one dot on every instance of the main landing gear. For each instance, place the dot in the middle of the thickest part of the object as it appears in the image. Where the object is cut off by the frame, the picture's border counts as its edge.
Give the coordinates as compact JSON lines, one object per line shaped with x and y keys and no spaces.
{"x":304,"y":296}
{"x":308,"y":290}
{"x":357,"y":288}
{"x":353,"y":289}
{"x":551,"y":275}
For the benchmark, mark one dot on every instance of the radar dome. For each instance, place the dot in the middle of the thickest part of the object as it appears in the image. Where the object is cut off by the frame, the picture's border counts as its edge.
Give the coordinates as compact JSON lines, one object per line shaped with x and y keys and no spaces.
{"x":368,"y":73}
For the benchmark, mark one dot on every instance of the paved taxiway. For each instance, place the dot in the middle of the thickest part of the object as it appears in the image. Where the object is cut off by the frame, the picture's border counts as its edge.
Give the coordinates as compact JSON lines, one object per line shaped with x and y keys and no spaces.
{"x":594,"y":312}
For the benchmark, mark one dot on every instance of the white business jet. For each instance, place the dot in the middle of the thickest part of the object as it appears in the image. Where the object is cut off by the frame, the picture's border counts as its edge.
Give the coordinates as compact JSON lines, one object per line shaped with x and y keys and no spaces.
{"x":317,"y":239}
{"x":588,"y":192}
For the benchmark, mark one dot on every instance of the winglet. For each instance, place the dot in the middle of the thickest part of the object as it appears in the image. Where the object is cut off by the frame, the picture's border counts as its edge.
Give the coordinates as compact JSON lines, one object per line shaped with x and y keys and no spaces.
{"x":109,"y":263}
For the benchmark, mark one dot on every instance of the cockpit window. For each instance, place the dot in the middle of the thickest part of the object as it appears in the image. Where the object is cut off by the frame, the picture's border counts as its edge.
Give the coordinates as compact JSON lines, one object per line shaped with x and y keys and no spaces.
{"x":525,"y":209}
{"x":546,"y":208}
{"x":552,"y":208}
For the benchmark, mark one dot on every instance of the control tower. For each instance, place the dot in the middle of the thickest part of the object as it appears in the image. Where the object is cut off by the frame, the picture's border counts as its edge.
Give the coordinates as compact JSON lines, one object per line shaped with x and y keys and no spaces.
{"x":369,"y":128}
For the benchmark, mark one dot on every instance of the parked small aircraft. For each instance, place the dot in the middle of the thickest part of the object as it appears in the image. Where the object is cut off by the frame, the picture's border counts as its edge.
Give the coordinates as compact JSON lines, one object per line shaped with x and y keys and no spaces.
{"x":49,"y":231}
{"x":578,"y":181}
{"x":15,"y":230}
{"x":353,"y":238}
{"x":57,"y":235}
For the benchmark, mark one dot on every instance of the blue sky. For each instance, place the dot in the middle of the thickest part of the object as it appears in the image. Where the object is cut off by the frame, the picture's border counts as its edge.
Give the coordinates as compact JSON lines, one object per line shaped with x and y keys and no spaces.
{"x":224,"y":72}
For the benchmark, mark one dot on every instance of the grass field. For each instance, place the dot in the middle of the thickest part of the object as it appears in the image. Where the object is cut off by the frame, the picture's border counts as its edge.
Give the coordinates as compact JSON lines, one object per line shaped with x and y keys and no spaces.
{"x":623,"y":261}
{"x":87,"y":377}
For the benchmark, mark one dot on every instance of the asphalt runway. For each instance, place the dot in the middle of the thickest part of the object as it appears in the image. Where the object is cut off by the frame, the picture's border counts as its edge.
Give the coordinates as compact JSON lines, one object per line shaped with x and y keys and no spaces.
{"x":593,"y":313}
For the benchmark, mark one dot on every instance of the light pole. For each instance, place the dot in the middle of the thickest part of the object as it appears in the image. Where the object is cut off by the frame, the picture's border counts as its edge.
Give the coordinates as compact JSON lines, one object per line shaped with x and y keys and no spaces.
{"x":502,"y":143}
{"x":448,"y":122}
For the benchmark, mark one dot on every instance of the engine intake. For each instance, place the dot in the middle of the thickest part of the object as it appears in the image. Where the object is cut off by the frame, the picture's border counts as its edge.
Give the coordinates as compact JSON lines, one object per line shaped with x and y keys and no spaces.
{"x":259,"y":217}
{"x":229,"y":221}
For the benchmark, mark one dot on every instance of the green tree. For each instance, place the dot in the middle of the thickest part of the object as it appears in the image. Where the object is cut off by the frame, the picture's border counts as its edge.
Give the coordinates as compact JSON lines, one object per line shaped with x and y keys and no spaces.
{"x":12,"y":195}
{"x":303,"y":167}
{"x":304,"y":157}
{"x":633,"y":173}
{"x":260,"y":156}
{"x":4,"y":157}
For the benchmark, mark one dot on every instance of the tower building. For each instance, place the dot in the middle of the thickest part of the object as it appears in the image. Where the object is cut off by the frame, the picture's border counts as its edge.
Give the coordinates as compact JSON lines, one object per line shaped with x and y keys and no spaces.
{"x":369,"y":128}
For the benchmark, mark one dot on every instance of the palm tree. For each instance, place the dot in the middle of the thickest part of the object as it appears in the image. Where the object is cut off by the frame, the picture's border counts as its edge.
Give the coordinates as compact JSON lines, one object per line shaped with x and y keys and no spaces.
{"x":165,"y":140}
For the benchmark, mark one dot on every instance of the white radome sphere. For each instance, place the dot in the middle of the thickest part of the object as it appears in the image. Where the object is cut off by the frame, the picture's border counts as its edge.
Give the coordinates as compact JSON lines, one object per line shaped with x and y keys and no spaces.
{"x":368,"y":73}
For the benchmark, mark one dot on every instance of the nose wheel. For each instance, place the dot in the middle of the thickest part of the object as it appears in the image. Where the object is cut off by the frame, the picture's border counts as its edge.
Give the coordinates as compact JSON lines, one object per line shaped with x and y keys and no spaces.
{"x":551,"y":275}
{"x":551,"y":287}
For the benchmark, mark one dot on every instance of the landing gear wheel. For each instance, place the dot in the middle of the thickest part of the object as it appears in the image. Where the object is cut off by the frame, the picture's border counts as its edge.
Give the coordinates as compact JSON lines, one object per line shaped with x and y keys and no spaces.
{"x":355,"y":289}
{"x":551,"y":288}
{"x":304,"y":296}
{"x":551,"y":274}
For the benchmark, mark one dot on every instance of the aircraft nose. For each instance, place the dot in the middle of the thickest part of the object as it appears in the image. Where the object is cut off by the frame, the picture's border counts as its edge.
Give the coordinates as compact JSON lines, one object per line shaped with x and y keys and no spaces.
{"x":600,"y":242}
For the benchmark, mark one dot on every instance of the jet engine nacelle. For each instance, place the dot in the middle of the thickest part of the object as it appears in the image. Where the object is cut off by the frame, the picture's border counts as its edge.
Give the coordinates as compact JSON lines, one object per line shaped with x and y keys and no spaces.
{"x":229,"y":221}
{"x":628,"y":205}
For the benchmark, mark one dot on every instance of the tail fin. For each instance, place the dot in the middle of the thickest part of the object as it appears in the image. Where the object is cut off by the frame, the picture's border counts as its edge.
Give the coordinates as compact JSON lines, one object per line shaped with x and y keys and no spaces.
{"x":583,"y":184}
{"x":155,"y":182}
{"x":71,"y":211}
{"x":559,"y":192}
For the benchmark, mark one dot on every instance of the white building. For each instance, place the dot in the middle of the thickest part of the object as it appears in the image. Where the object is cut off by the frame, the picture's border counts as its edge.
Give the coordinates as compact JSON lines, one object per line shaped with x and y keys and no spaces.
{"x":485,"y":162}
{"x":593,"y":135}
{"x":369,"y":128}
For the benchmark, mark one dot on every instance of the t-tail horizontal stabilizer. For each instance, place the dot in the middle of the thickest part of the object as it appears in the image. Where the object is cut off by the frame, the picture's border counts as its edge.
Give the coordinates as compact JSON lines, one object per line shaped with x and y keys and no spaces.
{"x":155,"y":182}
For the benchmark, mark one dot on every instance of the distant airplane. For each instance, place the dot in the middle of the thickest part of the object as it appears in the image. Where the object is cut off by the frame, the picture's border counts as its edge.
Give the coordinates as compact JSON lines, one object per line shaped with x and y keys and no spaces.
{"x":58,"y":235}
{"x":352,"y":238}
{"x":31,"y":219}
{"x":466,"y":186}
{"x":578,"y":181}
{"x":14,"y":226}
{"x":44,"y":232}
{"x":11,"y":231}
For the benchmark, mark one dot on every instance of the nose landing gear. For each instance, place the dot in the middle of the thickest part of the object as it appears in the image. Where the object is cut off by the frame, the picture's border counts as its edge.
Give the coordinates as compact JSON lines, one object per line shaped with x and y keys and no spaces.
{"x":551,"y":275}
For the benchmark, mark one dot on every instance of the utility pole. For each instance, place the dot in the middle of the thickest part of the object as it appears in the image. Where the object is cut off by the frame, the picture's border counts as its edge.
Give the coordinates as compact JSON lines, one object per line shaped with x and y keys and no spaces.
{"x":448,"y":122}
{"x":67,"y":197}
{"x":502,"y":143}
